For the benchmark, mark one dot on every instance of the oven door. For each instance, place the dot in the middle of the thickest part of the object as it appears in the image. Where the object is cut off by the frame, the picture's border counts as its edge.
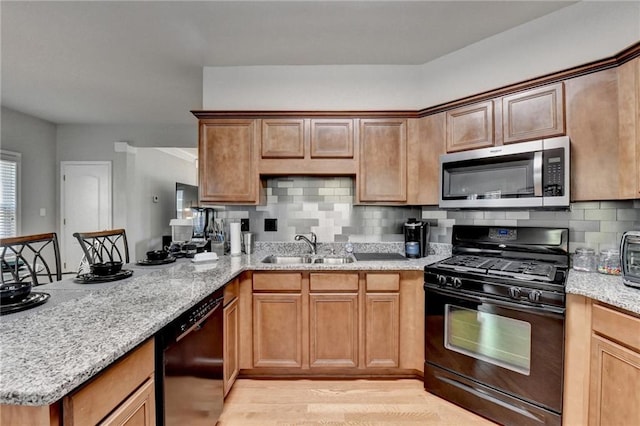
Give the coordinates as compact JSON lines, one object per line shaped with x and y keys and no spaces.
{"x":512,"y":348}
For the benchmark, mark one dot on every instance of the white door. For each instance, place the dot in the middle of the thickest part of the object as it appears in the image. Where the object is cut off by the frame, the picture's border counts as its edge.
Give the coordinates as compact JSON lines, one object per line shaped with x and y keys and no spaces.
{"x":85,"y":205}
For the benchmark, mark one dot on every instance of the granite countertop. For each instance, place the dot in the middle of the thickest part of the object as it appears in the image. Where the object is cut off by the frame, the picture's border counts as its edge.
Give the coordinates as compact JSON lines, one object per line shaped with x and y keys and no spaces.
{"x":605,"y":288}
{"x":48,"y":351}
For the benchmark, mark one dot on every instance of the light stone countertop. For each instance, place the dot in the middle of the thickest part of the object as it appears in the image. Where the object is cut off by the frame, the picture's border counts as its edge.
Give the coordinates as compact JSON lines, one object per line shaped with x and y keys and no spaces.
{"x":605,"y":288}
{"x":48,"y":351}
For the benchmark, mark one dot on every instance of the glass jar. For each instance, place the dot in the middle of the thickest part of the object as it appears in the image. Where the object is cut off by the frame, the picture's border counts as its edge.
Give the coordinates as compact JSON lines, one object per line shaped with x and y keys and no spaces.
{"x":584,"y":260}
{"x":609,"y":262}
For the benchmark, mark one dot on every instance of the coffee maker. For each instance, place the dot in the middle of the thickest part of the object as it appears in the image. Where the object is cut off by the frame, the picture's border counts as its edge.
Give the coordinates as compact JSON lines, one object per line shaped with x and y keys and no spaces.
{"x":416,"y":238}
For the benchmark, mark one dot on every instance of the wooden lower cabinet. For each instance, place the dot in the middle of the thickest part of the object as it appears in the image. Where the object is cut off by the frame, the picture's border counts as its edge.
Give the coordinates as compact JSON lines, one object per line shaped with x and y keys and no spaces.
{"x":602,"y":365}
{"x":231,"y":360}
{"x":614,"y":385}
{"x":137,"y":410}
{"x":382,"y":340}
{"x":277,"y":330}
{"x":333,"y":330}
{"x":339,"y":324}
{"x":124,"y":392}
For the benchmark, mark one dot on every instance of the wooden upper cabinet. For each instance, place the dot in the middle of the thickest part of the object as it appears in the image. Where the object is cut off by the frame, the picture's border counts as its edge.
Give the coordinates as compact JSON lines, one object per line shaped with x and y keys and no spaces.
{"x":383,"y":160}
{"x":533,"y":114}
{"x":282,"y":138}
{"x":227,"y":163}
{"x":307,"y":146}
{"x":629,"y":128}
{"x":331,"y":138}
{"x":425,"y":143}
{"x":470,"y":127}
{"x":592,"y":125}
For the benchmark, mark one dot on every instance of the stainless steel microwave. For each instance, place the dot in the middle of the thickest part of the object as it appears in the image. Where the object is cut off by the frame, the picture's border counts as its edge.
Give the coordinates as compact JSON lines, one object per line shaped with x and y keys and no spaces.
{"x":521,"y":175}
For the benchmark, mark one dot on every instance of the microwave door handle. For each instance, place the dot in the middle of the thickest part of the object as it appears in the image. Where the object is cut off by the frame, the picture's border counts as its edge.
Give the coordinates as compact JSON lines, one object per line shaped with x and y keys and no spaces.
{"x":537,"y":174}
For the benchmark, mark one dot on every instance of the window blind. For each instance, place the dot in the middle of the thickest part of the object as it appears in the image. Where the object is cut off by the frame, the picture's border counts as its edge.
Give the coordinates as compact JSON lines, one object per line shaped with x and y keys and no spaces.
{"x":9,"y":174}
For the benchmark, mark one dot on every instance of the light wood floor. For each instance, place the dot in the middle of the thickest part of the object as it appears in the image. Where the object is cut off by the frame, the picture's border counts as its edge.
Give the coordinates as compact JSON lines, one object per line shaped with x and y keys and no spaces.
{"x":340,"y":402}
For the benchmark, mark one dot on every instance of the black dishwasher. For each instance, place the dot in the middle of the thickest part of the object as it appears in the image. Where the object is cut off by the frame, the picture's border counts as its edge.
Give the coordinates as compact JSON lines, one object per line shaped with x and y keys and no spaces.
{"x":189,"y":377}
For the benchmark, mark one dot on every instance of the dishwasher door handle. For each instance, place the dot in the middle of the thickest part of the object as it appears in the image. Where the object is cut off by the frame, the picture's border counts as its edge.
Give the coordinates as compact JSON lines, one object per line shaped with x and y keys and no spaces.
{"x":198,"y":325}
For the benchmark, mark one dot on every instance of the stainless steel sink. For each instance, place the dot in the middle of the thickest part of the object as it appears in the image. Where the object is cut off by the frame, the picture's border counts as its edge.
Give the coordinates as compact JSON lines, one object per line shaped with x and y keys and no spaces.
{"x":333,"y":260}
{"x":287,"y":260}
{"x":292,"y":260}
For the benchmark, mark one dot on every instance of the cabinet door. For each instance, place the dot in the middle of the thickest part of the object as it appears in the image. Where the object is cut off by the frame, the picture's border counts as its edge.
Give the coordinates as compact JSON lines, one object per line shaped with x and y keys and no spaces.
{"x":470,"y":127}
{"x":110,"y":389}
{"x":333,"y":330}
{"x":227,"y":164}
{"x":231,"y":352}
{"x":282,"y":138}
{"x":533,"y":114}
{"x":382,"y":342}
{"x":614,"y":384}
{"x":277,"y":330}
{"x":383,"y":160}
{"x":137,"y":410}
{"x":592,"y":126}
{"x":629,"y":128}
{"x":331,"y":138}
{"x":426,"y":142}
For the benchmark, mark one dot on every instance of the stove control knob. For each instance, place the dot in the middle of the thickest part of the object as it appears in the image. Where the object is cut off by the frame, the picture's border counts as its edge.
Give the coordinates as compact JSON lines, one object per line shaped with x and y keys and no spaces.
{"x":457,"y":282}
{"x":535,"y":295}
{"x":442,"y":280}
{"x":514,"y":292}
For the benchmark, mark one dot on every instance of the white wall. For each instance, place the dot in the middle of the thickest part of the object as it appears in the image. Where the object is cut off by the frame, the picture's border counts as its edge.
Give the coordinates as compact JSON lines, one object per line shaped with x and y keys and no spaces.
{"x":572,"y":36}
{"x":154,"y":173}
{"x":36,"y":140}
{"x":136,"y":173}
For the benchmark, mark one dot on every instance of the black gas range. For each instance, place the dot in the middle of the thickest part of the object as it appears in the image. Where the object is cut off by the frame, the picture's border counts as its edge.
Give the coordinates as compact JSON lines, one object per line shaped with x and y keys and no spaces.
{"x":494,"y":322}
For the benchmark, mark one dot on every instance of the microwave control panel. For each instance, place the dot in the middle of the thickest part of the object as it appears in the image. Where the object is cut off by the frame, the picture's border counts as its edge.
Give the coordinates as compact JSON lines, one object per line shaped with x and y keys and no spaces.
{"x":553,"y":174}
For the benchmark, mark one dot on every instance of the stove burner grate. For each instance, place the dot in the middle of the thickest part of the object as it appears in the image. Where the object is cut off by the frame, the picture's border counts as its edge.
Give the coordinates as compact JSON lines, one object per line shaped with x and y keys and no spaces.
{"x":515,"y":268}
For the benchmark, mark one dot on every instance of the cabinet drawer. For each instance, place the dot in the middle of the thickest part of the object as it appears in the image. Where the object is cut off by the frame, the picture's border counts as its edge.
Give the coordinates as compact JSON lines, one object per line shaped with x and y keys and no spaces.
{"x":616,"y":325}
{"x":333,"y":282}
{"x":100,"y":396}
{"x":383,"y":282}
{"x":138,"y":409}
{"x":277,"y":282}
{"x":231,"y":291}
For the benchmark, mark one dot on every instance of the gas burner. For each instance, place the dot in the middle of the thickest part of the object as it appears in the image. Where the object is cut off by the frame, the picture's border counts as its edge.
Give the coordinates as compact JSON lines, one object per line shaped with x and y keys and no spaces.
{"x":515,"y":268}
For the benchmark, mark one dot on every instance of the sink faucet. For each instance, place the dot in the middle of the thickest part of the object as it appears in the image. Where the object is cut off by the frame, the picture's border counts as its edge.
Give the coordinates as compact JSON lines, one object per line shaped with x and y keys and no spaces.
{"x":313,"y":244}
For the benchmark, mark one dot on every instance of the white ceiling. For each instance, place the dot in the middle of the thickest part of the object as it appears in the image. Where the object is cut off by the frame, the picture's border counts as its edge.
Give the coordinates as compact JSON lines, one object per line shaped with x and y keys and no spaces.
{"x":141,"y":62}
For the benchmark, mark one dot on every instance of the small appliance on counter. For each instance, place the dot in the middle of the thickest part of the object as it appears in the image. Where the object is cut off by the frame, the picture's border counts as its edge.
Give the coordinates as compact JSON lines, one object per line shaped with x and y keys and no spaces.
{"x":630,"y":258}
{"x":416,"y":238}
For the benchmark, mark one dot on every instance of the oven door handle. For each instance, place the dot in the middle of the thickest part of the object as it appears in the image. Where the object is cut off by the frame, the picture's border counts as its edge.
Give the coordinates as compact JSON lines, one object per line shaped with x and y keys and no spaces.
{"x":540,"y":310}
{"x":198,"y":325}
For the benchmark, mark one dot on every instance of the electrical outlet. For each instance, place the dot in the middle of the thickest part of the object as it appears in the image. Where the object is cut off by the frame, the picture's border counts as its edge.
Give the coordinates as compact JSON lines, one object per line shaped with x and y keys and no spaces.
{"x":244,"y":225}
{"x":270,"y":225}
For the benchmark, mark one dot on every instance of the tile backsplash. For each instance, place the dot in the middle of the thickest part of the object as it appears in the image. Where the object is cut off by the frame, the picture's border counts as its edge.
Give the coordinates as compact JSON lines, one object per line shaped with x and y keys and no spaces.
{"x":324,"y":205}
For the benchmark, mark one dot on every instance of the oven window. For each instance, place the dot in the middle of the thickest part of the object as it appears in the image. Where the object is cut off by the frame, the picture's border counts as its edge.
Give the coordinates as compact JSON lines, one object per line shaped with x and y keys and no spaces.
{"x":502,"y":341}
